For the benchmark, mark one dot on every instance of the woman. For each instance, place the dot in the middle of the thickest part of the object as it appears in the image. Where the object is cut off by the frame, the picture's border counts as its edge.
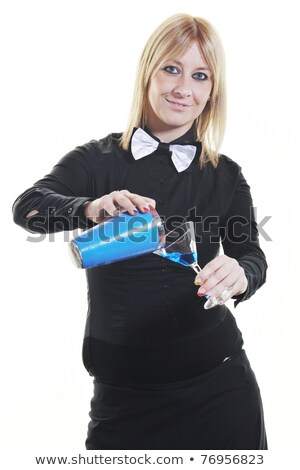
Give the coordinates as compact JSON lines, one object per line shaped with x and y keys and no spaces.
{"x":168,"y":373}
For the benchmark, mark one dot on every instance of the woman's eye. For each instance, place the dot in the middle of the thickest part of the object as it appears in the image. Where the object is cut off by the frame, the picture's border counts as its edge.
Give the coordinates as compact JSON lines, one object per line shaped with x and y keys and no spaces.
{"x":171,"y":69}
{"x":200,"y":76}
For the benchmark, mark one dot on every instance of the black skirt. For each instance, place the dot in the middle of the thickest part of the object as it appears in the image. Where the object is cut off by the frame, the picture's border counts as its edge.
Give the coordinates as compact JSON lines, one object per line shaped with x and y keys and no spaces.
{"x":220,"y":409}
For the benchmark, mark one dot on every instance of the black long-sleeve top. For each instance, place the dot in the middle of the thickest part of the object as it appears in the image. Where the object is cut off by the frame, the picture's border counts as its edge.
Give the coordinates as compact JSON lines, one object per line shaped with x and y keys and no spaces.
{"x":145,"y":323}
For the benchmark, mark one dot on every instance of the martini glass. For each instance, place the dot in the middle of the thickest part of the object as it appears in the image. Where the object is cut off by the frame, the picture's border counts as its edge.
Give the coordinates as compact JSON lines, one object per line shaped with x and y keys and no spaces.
{"x":180,"y":247}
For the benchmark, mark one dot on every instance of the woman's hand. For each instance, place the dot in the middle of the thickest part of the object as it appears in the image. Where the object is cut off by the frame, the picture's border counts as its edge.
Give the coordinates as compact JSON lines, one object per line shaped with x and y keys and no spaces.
{"x":219,"y":274}
{"x":115,"y":202}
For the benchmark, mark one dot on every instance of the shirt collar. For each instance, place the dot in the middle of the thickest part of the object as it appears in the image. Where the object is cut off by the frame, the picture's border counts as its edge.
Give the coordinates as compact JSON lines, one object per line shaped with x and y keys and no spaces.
{"x":187,"y":138}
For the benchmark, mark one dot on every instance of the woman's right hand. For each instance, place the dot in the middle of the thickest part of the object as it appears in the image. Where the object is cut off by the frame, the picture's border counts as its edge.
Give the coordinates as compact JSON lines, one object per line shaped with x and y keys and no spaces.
{"x":115,"y":202}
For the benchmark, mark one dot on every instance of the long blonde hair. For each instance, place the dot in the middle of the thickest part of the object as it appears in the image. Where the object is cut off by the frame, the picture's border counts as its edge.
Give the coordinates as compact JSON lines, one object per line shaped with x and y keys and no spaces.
{"x":173,"y":37}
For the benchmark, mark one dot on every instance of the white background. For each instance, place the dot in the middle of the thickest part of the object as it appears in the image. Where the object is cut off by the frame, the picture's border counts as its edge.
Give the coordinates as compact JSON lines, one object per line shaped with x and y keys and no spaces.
{"x":68,"y":69}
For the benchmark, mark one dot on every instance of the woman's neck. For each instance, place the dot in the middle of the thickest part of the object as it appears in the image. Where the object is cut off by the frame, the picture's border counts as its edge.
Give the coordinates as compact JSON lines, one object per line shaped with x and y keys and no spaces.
{"x":169,"y":134}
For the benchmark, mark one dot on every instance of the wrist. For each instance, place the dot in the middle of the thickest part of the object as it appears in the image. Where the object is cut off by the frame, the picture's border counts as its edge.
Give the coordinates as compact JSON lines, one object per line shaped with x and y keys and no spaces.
{"x":87,"y":209}
{"x":92,"y":211}
{"x":244,"y":287}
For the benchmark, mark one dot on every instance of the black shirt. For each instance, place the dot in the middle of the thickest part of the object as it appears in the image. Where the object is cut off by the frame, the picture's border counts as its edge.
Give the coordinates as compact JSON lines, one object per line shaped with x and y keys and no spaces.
{"x":145,"y":322}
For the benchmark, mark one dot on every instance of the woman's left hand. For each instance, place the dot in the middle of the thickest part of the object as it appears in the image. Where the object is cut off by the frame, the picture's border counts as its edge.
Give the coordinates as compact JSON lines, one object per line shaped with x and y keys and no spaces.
{"x":219,"y":274}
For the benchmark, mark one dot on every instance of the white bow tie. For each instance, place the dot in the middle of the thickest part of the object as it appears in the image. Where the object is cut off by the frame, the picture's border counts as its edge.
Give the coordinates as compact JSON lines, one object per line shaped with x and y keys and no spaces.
{"x":142,"y":144}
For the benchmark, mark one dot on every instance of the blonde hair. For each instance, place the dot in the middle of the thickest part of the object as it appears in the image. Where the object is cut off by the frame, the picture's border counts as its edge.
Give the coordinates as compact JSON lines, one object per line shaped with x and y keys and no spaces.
{"x":173,"y":37}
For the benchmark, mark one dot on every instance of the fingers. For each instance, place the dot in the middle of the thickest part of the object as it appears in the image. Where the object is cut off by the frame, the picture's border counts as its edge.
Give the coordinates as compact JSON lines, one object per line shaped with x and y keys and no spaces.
{"x":220,"y":274}
{"x":213,"y":266}
{"x":115,"y":202}
{"x":124,"y":200}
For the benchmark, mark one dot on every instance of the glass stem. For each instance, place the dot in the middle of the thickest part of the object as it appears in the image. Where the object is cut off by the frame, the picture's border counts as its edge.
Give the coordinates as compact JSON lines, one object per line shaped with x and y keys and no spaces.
{"x":195,"y":266}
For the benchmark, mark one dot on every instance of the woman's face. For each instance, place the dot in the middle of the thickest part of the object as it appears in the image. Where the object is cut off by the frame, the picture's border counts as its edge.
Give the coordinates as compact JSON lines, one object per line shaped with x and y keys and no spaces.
{"x":177,"y":95}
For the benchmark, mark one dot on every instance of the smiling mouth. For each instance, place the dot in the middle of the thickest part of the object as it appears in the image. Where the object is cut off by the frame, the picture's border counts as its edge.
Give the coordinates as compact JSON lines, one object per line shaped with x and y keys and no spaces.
{"x":177,"y":105}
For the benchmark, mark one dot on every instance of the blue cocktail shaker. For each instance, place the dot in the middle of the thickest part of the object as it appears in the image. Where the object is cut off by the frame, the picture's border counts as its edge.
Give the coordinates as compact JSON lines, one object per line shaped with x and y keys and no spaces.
{"x":118,"y":238}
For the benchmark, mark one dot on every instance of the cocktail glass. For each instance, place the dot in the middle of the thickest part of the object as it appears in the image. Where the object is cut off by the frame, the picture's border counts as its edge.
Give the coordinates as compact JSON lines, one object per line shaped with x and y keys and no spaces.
{"x":180,"y":247}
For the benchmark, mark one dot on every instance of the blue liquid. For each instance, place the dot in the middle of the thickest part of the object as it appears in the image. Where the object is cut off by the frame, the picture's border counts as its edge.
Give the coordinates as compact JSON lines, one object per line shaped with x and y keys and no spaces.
{"x":186,"y":259}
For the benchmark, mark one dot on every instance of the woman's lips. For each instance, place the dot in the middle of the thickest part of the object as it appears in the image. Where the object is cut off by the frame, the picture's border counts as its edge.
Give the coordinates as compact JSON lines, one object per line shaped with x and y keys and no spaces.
{"x":178,"y":106}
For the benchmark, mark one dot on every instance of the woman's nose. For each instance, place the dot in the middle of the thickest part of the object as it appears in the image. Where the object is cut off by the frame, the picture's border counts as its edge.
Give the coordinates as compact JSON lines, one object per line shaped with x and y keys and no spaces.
{"x":183,"y":87}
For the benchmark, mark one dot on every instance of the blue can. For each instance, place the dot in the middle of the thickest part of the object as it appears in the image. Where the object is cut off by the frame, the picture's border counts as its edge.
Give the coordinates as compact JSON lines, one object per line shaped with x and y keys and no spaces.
{"x":118,"y":238}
